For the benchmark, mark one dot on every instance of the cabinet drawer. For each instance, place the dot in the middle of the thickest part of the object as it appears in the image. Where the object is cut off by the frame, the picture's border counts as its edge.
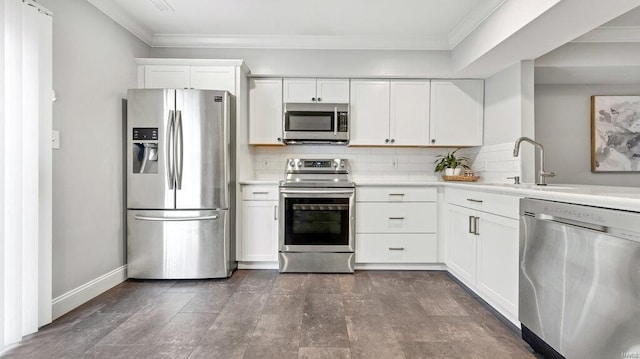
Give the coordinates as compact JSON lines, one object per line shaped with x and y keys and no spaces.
{"x":417,"y":217}
{"x":499,"y":204}
{"x":396,"y":194}
{"x":259,"y":193}
{"x":464,"y":198}
{"x":396,"y":248}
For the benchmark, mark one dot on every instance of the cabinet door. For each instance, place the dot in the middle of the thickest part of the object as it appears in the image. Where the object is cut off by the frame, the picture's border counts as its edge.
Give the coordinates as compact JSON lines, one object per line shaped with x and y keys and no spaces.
{"x":461,"y":244}
{"x":171,"y":77}
{"x":456,"y":112}
{"x":265,"y":112}
{"x":369,"y":112}
{"x":409,"y":115}
{"x":214,"y":78}
{"x":498,"y":247}
{"x":259,"y":231}
{"x":300,"y":90}
{"x":332,"y":90}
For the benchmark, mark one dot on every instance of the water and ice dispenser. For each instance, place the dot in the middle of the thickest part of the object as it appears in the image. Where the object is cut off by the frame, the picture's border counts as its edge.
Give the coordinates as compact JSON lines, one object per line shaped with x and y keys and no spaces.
{"x":145,"y":150}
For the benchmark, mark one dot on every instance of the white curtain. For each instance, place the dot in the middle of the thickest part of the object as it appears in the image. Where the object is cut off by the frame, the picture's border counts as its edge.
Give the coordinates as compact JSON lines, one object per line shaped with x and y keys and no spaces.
{"x":25,"y":168}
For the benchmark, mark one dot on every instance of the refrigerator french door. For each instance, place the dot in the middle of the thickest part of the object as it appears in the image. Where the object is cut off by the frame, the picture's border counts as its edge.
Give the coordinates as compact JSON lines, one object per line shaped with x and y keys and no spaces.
{"x":180,"y":192}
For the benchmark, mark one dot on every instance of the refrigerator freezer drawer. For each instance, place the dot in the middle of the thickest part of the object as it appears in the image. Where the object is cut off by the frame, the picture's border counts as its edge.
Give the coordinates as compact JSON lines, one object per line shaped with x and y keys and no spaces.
{"x":178,"y":244}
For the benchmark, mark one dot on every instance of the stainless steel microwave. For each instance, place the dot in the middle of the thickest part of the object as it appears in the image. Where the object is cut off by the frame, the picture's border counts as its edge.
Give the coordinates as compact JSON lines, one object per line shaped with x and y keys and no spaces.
{"x":316,"y":123}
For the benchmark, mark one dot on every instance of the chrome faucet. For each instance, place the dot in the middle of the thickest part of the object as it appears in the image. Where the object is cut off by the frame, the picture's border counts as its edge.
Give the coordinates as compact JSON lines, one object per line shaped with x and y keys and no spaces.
{"x":542,"y":174}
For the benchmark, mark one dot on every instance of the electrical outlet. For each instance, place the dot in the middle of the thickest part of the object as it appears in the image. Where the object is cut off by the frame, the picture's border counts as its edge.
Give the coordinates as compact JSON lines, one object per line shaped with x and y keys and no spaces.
{"x":55,"y":140}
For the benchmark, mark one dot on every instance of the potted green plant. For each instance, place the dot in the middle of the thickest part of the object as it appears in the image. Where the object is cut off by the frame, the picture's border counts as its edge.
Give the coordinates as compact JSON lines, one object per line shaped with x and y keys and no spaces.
{"x":451,"y":164}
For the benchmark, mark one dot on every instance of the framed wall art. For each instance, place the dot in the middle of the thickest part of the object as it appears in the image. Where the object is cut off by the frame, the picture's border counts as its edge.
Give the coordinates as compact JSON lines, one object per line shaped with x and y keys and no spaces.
{"x":615,"y":133}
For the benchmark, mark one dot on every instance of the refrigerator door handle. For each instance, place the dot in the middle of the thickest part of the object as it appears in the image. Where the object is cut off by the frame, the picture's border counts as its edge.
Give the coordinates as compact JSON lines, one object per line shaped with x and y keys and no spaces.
{"x":174,"y":219}
{"x":228,"y":141}
{"x":178,"y":149}
{"x":168,"y":149}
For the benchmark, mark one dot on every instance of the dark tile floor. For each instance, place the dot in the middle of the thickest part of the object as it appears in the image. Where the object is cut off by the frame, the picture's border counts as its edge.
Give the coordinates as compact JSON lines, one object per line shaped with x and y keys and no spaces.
{"x":263,"y":314}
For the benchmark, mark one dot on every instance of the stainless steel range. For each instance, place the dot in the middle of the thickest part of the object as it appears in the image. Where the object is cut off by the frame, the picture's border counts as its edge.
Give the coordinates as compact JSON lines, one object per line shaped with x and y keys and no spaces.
{"x":317,"y":205}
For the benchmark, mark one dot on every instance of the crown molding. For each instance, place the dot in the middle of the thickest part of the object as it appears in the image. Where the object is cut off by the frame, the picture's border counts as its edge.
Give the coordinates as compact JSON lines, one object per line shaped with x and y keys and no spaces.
{"x":114,"y":11}
{"x":321,"y":42}
{"x":611,"y":34}
{"x":469,"y":23}
{"x":301,"y":42}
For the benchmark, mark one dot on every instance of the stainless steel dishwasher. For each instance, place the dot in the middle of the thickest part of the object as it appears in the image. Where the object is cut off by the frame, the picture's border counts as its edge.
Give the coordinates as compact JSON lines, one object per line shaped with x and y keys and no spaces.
{"x":579,"y":280}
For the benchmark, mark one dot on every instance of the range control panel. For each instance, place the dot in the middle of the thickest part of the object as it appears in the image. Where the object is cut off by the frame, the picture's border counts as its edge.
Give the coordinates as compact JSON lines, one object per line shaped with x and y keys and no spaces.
{"x":317,"y":165}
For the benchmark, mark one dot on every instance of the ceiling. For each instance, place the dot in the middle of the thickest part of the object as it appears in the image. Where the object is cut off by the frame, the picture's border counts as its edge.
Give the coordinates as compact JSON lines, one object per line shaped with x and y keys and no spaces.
{"x":351,"y":24}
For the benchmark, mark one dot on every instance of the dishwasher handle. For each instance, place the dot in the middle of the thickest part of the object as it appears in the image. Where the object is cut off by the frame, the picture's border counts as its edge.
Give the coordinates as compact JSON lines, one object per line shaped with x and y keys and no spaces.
{"x":572,"y":222}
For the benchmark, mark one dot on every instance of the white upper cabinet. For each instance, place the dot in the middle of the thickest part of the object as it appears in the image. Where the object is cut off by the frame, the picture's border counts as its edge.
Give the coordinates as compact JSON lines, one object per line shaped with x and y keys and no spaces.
{"x":167,"y":76}
{"x":389,"y":112}
{"x":197,"y":77}
{"x":311,"y":90}
{"x":409,"y":116}
{"x":200,"y":74}
{"x":213,"y":78}
{"x":332,"y":90}
{"x":456,"y":112}
{"x":369,"y":112}
{"x":300,"y":90}
{"x":265,"y":111}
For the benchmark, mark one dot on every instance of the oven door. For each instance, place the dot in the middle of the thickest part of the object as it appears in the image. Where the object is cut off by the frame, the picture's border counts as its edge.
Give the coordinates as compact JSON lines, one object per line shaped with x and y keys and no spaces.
{"x":317,"y":219}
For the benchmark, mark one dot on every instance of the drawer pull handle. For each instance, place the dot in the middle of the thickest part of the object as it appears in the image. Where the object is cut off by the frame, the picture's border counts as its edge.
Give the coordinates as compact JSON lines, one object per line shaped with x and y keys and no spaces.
{"x":396,"y":217}
{"x":261,"y":192}
{"x":474,"y":200}
{"x":396,"y":248}
{"x":396,"y":194}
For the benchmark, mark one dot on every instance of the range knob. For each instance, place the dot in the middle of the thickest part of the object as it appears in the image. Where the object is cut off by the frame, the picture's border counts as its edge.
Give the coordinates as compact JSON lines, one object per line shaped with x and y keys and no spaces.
{"x":299,"y":163}
{"x":341,"y":164}
{"x":335,"y":165}
{"x":292,"y":163}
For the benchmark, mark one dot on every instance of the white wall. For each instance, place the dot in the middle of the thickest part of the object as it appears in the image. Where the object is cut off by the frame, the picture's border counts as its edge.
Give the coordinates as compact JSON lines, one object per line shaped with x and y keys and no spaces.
{"x":563,"y":125}
{"x":590,"y":63}
{"x":92,"y":69}
{"x":508,"y":114}
{"x":339,"y":63}
{"x":502,"y":106}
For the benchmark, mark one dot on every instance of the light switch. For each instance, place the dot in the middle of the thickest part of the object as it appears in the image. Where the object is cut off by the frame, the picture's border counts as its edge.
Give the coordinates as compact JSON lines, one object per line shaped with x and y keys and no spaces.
{"x":55,"y":140}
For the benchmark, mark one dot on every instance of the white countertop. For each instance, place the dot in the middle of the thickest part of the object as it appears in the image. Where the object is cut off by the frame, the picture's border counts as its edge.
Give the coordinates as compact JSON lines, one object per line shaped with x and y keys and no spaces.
{"x":625,"y":198}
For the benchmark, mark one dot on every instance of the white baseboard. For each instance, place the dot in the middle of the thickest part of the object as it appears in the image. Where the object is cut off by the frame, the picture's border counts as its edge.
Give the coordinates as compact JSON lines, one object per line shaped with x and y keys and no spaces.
{"x":399,"y":266}
{"x":258,"y":265}
{"x":82,"y":294}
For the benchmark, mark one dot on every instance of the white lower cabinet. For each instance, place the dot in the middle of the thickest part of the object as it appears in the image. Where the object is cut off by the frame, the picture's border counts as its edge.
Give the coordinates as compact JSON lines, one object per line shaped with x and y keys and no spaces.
{"x":461,"y":242}
{"x":497,"y":268}
{"x":397,"y":248}
{"x":259,"y":237}
{"x":482,"y":248}
{"x":396,"y":225}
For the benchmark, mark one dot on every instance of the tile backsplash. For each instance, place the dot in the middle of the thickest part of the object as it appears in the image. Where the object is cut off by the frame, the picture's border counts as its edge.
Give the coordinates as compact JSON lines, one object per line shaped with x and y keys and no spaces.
{"x":494,"y":163}
{"x":397,"y":163}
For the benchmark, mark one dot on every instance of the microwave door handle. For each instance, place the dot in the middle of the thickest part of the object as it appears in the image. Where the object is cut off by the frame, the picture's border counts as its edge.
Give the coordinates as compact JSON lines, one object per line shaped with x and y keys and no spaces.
{"x":335,"y":121}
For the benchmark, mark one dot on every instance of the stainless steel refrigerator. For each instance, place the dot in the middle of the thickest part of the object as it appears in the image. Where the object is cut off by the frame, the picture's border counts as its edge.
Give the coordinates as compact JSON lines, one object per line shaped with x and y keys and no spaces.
{"x":180,"y":184}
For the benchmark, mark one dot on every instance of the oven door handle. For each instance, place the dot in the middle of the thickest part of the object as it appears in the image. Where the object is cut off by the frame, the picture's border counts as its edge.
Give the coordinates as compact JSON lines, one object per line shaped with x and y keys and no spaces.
{"x":319,"y":191}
